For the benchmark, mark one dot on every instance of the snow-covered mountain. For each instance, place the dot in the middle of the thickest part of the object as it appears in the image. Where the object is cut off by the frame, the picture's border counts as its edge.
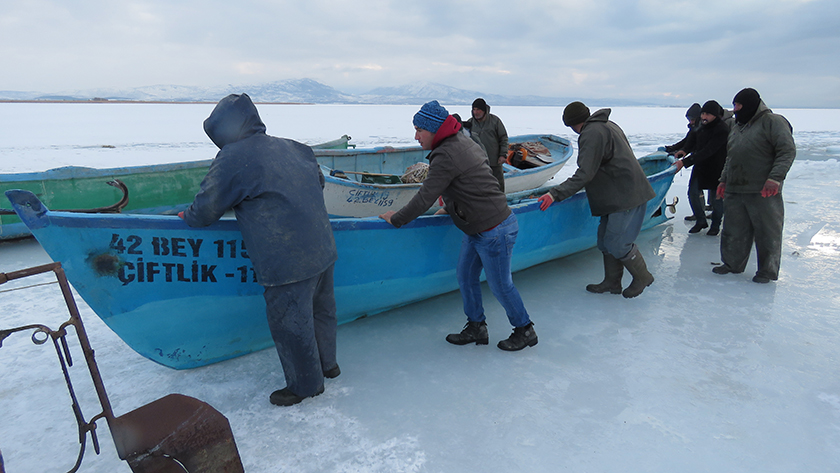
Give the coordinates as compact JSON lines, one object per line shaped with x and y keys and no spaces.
{"x":298,"y":91}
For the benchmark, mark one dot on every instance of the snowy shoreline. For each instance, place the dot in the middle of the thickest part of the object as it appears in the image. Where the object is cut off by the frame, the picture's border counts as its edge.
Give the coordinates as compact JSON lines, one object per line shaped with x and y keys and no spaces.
{"x":701,"y":373}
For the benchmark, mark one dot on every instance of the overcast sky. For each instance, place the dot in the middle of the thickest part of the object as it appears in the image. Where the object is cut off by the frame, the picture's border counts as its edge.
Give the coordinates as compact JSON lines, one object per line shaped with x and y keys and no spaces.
{"x":668,"y":51}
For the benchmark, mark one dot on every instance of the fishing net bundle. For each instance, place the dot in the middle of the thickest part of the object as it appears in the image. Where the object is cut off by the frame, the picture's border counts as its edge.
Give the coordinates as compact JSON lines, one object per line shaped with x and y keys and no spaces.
{"x":415,"y":173}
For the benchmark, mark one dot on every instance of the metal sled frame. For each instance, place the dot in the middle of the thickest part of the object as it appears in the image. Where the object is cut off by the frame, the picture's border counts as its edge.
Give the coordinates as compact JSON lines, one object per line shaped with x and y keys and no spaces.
{"x":176,"y":433}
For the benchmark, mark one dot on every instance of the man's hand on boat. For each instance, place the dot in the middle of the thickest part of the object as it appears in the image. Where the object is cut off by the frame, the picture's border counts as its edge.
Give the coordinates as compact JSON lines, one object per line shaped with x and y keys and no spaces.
{"x":545,"y":201}
{"x":387,"y":216}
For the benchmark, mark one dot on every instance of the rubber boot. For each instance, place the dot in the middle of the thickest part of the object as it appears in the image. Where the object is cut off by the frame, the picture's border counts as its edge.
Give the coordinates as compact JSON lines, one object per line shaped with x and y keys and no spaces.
{"x":613,"y":271}
{"x":635,"y":264}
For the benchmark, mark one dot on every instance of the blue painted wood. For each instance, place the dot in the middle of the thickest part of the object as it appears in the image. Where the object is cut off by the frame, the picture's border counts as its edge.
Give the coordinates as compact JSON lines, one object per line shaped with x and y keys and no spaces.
{"x":186,"y":297}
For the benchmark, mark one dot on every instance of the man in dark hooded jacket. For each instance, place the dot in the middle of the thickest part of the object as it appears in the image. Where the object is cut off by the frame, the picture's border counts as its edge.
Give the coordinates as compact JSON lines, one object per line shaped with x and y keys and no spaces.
{"x":705,"y":150}
{"x":458,"y":172}
{"x":693,"y":117}
{"x":618,"y":192}
{"x":760,"y":152}
{"x":275,"y":188}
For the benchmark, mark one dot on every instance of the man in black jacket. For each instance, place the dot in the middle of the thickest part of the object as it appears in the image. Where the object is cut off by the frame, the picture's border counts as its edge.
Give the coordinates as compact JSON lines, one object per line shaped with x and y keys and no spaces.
{"x":705,"y":150}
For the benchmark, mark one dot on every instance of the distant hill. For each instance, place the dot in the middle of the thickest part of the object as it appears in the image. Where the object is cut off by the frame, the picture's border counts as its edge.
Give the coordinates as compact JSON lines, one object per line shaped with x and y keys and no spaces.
{"x":303,"y":91}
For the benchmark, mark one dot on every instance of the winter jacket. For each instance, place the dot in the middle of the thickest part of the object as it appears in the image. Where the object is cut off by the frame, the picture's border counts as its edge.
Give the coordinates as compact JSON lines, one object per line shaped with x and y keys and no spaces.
{"x":275,"y":188}
{"x":759,"y":150}
{"x":707,"y":148}
{"x":683,"y":142}
{"x":607,"y":168}
{"x":458,"y":171}
{"x":491,"y":134}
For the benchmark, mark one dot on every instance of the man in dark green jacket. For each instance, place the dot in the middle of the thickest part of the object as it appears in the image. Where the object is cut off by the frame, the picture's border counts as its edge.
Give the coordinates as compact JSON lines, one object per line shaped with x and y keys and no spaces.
{"x":458,"y":172}
{"x":618,"y":192}
{"x":488,"y":130}
{"x":760,"y":152}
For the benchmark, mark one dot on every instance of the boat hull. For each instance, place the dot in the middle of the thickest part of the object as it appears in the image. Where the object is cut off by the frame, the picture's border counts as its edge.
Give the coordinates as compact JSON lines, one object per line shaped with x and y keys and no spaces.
{"x":159,"y":189}
{"x":186,"y":297}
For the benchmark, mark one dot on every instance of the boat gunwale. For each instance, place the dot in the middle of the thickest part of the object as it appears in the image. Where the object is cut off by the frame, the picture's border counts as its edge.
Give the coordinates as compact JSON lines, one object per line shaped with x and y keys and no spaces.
{"x":72,"y":220}
{"x":510,"y":171}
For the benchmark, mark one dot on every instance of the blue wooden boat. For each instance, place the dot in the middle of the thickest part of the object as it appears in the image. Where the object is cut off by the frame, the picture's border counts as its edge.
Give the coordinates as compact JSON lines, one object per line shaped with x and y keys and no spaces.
{"x":186,"y":297}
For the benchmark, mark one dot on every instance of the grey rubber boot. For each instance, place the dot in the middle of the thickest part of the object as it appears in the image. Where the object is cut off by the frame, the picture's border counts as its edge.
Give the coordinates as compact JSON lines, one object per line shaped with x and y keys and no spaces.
{"x":635,"y":264}
{"x":613,"y":271}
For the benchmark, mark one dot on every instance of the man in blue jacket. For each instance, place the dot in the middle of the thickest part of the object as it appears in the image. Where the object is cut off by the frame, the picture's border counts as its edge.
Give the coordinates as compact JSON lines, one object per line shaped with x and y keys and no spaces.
{"x":275,"y":187}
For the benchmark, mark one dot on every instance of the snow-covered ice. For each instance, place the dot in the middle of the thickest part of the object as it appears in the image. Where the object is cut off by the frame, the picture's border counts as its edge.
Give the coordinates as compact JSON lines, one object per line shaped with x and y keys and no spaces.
{"x":700,"y":373}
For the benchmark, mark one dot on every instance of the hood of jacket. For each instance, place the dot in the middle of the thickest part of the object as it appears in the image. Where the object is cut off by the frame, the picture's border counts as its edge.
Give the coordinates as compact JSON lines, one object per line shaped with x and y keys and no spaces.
{"x":759,"y":111}
{"x":602,"y":115}
{"x":449,"y":127}
{"x":234,"y":118}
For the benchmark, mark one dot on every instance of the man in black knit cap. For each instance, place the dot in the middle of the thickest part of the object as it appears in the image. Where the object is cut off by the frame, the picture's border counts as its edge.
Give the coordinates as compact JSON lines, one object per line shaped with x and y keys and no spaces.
{"x":705,"y":150}
{"x":617,"y":190}
{"x":488,"y":130}
{"x":760,"y":152}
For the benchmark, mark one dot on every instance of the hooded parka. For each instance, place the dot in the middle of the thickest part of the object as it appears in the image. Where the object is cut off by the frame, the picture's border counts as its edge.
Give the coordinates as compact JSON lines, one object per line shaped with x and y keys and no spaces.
{"x":275,"y":188}
{"x":759,"y":150}
{"x":607,"y":168}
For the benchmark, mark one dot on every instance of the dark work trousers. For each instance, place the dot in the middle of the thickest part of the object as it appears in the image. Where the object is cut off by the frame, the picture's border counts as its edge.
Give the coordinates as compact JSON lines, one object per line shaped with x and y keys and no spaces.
{"x":748,"y":219}
{"x":617,"y":231}
{"x":499,"y":174}
{"x":696,"y":199}
{"x":301,"y":317}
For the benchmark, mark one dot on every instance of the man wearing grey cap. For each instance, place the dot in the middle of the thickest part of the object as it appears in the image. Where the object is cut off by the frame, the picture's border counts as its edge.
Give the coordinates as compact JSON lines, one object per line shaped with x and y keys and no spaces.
{"x":618,"y":192}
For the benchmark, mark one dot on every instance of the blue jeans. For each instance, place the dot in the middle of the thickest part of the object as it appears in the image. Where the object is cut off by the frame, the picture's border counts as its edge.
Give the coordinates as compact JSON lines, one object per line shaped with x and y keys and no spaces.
{"x":618,"y":231}
{"x":490,"y":250}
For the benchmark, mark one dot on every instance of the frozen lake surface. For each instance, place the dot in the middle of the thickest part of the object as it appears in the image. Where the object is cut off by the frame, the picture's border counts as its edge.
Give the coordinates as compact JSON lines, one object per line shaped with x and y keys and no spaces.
{"x":701,"y":373}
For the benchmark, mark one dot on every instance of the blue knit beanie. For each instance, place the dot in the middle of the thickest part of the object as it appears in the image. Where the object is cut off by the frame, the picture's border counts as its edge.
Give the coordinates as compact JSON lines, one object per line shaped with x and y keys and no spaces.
{"x":431,"y":116}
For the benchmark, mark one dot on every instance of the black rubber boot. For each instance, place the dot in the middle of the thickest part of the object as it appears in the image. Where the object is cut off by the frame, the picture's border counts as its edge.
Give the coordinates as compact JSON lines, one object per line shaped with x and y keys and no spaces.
{"x":635,"y":264}
{"x":473,"y":332}
{"x":613,"y":271}
{"x":332,"y":372}
{"x":520,"y":338}
{"x":697,"y":227}
{"x":724,"y":269}
{"x":284,"y":397}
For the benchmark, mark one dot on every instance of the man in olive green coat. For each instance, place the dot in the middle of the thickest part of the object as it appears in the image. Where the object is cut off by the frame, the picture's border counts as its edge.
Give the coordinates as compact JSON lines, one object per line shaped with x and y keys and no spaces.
{"x":760,"y":152}
{"x":618,"y":192}
{"x":489,"y":131}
